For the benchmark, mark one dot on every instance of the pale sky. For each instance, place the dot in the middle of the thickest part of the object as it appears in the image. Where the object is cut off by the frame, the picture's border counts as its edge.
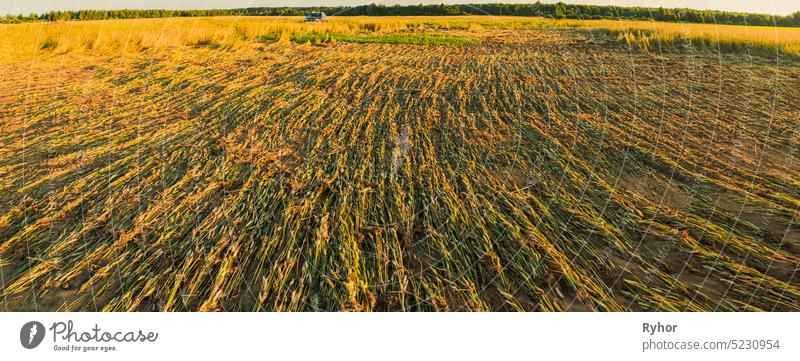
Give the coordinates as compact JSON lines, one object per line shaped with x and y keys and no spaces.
{"x":780,"y":7}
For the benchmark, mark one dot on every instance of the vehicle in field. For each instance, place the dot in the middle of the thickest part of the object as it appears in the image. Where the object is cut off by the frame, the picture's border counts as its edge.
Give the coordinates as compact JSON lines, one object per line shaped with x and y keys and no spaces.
{"x":315,"y":17}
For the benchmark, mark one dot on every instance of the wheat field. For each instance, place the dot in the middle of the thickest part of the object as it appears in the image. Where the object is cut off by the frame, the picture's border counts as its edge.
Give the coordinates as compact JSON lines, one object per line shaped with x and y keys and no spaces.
{"x":97,"y":37}
{"x":513,"y":164}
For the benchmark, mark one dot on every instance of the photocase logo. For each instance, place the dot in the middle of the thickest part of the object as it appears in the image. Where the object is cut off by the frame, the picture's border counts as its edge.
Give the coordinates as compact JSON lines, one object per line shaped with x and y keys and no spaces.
{"x":31,"y":334}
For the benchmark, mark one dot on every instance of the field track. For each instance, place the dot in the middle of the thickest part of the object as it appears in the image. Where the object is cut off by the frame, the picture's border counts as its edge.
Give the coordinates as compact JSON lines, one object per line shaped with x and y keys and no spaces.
{"x":532,"y":170}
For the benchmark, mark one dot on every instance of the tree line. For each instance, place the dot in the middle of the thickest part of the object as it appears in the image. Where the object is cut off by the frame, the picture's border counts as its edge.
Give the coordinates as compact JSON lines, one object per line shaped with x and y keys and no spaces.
{"x":556,"y":11}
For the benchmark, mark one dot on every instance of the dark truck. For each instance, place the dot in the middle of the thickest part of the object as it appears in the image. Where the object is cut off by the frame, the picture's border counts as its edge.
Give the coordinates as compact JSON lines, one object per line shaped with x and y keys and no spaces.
{"x":315,"y":16}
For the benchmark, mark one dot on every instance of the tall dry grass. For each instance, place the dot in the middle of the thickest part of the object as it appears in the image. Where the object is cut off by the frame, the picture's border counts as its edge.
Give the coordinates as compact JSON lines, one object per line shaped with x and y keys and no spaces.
{"x":22,"y":40}
{"x":658,"y":36}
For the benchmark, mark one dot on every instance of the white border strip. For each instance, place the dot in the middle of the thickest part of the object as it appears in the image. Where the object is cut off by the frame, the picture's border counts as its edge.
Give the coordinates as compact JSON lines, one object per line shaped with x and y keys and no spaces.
{"x":400,"y":336}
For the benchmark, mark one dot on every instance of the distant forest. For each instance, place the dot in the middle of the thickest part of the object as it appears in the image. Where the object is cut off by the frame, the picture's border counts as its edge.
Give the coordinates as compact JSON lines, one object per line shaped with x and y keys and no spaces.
{"x":557,"y":11}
